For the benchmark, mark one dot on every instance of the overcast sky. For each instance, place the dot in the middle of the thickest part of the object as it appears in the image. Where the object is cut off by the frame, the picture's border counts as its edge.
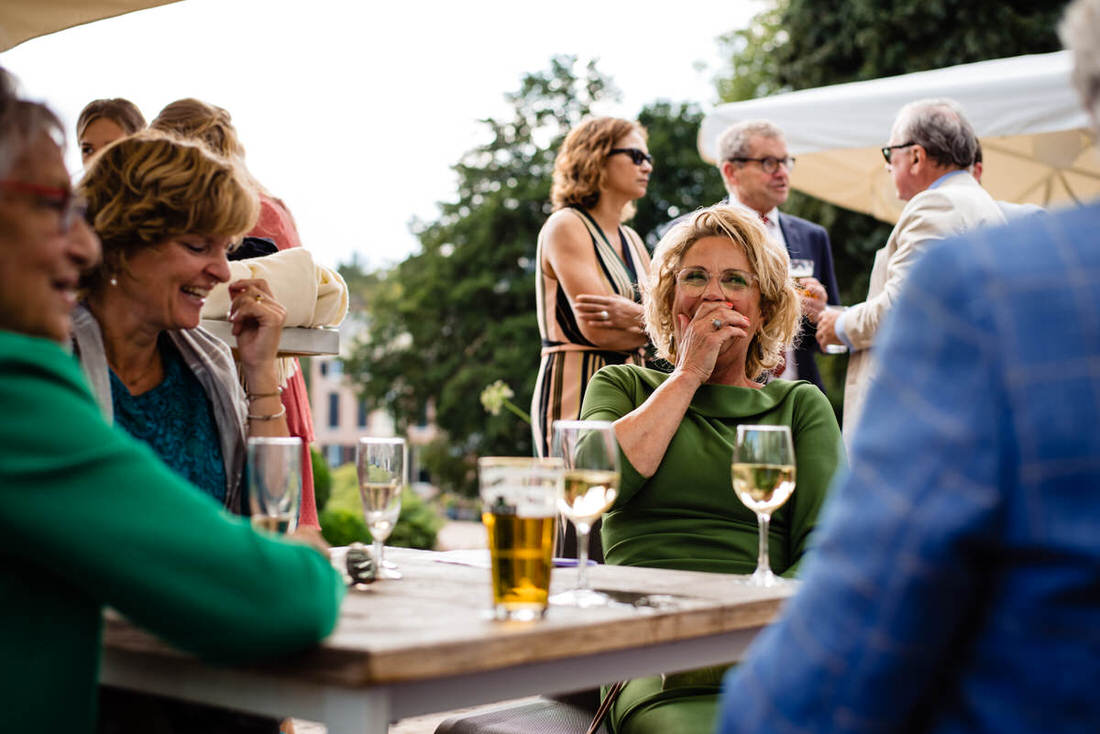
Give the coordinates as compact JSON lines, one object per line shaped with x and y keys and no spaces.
{"x":353,"y":112}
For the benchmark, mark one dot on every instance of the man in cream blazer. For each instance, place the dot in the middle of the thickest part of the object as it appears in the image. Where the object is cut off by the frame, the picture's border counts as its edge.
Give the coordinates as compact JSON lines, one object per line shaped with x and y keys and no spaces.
{"x":931,"y":148}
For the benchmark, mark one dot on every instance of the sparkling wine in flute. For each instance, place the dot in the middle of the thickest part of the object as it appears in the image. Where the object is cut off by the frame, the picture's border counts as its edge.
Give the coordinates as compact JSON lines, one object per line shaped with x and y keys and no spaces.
{"x":273,"y":524}
{"x":381,"y":506}
{"x":521,"y":550}
{"x":588,"y":494}
{"x":763,"y":487}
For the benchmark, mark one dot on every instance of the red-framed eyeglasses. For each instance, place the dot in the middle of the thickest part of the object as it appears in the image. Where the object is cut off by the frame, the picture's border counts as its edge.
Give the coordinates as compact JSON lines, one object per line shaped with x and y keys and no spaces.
{"x":68,"y":205}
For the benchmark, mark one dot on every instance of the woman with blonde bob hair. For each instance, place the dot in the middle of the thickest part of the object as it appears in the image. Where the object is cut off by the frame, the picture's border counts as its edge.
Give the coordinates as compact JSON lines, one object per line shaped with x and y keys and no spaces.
{"x":720,"y":305}
{"x":589,"y":265}
{"x":167,"y":211}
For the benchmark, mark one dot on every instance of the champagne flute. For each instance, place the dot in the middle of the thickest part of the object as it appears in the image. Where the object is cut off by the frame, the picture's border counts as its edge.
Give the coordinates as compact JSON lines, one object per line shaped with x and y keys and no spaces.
{"x":801,"y":268}
{"x":763,"y":472}
{"x":591,"y":456}
{"x":381,"y":464}
{"x":274,"y":482}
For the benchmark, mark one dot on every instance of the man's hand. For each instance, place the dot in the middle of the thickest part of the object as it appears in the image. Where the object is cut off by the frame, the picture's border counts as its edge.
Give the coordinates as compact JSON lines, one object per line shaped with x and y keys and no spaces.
{"x":826,"y":327}
{"x":813,"y":297}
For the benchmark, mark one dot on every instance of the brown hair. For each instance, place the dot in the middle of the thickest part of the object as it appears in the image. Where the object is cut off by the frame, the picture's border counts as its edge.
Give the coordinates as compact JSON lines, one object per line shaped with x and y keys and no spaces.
{"x":197,"y":120}
{"x":151,"y":187}
{"x":780,"y":305}
{"x":122,"y":112}
{"x":579,"y":166}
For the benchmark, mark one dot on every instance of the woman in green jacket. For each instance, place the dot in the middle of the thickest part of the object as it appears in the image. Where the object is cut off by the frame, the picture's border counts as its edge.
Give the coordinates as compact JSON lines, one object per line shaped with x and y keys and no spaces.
{"x":721,"y":307}
{"x":88,"y":516}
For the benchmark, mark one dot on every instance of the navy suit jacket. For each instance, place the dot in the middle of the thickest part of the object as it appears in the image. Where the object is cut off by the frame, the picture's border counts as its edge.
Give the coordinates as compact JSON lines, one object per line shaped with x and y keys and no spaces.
{"x":808,"y":240}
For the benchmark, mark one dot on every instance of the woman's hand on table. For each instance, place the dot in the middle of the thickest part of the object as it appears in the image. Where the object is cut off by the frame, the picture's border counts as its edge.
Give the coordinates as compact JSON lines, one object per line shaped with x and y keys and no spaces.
{"x":257,"y":320}
{"x":609,"y":312}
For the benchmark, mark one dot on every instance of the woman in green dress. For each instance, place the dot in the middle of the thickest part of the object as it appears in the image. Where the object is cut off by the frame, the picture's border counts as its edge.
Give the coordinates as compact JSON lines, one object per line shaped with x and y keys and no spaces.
{"x":721,"y":307}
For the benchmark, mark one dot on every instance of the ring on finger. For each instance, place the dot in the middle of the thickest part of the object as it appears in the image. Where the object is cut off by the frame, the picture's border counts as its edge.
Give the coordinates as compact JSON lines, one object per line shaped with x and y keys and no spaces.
{"x":259,"y":297}
{"x":717,"y":324}
{"x":605,"y":315}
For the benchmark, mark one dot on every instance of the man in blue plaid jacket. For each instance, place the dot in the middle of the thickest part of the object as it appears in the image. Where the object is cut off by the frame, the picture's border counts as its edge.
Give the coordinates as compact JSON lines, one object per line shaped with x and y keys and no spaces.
{"x":955,"y":586}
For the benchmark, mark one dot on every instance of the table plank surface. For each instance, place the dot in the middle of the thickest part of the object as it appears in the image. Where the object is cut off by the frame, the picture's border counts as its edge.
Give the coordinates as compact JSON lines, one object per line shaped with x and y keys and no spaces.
{"x":434,"y":622}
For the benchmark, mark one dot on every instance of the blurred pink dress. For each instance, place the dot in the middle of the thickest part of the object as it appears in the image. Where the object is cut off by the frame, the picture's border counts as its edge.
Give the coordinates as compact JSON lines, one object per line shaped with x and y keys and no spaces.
{"x":277,"y":224}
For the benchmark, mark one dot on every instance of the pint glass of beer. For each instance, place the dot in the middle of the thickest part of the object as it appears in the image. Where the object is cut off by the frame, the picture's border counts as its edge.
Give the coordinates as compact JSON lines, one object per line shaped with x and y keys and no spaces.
{"x":519,"y":498}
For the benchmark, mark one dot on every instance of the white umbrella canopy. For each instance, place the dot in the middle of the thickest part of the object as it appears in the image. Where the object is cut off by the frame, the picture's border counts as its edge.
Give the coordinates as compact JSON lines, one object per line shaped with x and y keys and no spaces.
{"x":1037,"y":143}
{"x":22,"y":20}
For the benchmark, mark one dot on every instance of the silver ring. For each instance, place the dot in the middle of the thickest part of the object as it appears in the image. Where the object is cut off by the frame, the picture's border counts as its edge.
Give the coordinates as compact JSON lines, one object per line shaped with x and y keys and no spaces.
{"x":605,"y":315}
{"x":717,"y":324}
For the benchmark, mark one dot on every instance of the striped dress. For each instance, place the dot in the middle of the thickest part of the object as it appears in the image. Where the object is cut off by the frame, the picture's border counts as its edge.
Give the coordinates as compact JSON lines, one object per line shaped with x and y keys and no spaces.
{"x":568,"y":359}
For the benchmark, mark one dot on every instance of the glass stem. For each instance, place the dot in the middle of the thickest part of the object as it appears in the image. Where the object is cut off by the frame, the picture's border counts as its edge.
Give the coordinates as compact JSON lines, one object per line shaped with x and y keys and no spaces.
{"x":582,"y":556}
{"x":763,"y":566}
{"x":378,"y":549}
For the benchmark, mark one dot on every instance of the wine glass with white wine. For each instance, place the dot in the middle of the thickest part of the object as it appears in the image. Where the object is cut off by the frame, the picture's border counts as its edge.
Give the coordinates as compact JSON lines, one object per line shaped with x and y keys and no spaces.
{"x":763,"y":472}
{"x":382,"y":464}
{"x":591,"y":457}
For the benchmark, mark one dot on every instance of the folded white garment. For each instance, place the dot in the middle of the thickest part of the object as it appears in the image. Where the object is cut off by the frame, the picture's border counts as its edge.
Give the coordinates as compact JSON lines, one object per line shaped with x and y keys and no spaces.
{"x":312,"y":294}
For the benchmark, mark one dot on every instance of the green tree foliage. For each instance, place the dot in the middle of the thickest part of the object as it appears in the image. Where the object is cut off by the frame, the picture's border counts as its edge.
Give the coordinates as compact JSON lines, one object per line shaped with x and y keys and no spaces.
{"x":322,"y":478}
{"x":800,"y":44}
{"x":459,"y":315}
{"x":681,"y":181}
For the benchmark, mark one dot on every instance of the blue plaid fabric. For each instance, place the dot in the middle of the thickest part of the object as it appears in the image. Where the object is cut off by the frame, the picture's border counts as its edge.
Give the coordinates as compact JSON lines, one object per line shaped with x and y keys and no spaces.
{"x":955,"y":582}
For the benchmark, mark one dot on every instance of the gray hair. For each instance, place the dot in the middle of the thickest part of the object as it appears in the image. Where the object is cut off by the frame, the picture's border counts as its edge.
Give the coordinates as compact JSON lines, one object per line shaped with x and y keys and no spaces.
{"x":20,"y":123}
{"x":734,"y":141}
{"x":941,"y":128}
{"x":1080,"y":32}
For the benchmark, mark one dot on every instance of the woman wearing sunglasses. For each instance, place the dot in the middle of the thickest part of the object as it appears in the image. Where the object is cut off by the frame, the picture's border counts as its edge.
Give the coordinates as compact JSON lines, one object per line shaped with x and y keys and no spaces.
{"x":721,"y":307}
{"x":89,"y":517}
{"x":588,"y":267}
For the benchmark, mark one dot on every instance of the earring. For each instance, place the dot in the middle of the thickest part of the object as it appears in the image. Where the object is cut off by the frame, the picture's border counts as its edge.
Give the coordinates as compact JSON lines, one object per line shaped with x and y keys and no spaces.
{"x":113,"y":281}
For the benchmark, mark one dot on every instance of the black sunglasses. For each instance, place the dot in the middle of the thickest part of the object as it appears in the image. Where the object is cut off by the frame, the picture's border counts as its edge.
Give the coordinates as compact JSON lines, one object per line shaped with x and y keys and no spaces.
{"x":638,"y":156}
{"x":887,"y":150}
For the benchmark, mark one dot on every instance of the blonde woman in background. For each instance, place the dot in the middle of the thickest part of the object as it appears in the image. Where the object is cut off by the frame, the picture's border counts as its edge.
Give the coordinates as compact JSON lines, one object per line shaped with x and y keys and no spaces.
{"x":589,"y":265}
{"x":213,"y":127}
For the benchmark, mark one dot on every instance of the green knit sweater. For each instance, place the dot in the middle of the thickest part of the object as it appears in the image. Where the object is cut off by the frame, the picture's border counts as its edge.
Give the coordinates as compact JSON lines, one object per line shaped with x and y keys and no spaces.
{"x":89,"y":517}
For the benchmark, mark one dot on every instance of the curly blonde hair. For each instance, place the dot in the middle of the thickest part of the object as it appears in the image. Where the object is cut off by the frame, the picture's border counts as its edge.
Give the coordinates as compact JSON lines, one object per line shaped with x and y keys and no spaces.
{"x":780,"y":305}
{"x":579,"y":166}
{"x":151,"y":187}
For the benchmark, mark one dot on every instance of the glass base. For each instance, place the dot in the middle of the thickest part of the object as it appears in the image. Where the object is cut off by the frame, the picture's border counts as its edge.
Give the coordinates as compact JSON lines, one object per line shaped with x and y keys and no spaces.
{"x":836,"y":349}
{"x":387,"y":571}
{"x":765,"y":579}
{"x":515,"y":612}
{"x":581,"y":598}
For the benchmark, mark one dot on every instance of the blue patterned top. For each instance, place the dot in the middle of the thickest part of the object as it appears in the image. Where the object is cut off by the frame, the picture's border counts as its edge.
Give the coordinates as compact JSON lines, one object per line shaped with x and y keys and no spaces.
{"x":177,"y":421}
{"x":954,"y":584}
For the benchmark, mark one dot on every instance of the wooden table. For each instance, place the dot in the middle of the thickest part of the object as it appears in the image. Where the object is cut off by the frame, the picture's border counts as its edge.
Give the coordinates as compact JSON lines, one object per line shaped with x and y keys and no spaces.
{"x":425,"y":644}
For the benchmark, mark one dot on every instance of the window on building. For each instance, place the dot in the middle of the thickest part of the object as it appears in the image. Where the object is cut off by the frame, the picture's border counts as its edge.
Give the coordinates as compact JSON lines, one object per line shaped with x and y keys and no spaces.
{"x":324,"y":369}
{"x":334,"y":410}
{"x":362,"y":413}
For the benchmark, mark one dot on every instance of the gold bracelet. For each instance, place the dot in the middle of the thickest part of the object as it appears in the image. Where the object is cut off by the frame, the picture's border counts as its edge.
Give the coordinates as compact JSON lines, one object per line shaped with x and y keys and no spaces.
{"x":281,"y":412}
{"x":257,"y":395}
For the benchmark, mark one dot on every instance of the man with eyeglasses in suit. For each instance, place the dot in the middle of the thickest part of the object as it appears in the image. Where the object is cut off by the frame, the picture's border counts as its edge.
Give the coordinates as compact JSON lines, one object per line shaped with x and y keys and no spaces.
{"x":755,"y":168}
{"x":931,"y":148}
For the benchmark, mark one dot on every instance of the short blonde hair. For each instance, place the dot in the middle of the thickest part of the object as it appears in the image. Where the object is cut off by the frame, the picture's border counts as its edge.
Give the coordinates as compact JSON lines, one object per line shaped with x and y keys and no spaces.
{"x":150,"y":187}
{"x":780,"y":305}
{"x":579,"y":166}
